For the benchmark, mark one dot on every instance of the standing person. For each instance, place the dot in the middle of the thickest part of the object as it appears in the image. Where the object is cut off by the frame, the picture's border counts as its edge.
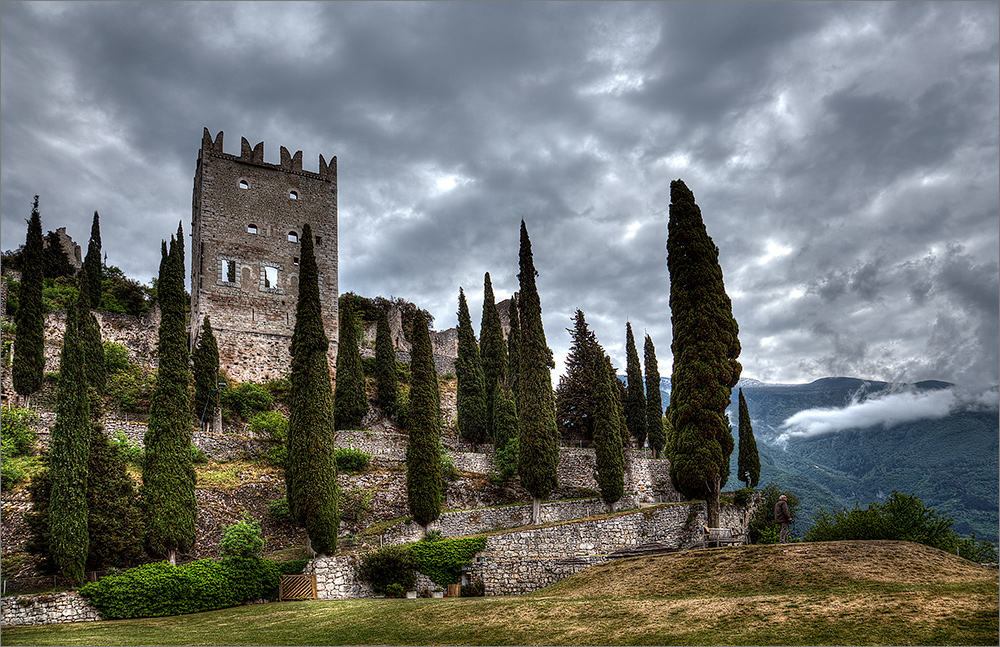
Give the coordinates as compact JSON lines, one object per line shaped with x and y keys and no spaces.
{"x":783,"y":516}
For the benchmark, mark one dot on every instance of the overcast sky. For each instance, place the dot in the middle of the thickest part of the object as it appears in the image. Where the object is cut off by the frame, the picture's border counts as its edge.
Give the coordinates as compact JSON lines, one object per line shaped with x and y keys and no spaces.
{"x":844,"y":156}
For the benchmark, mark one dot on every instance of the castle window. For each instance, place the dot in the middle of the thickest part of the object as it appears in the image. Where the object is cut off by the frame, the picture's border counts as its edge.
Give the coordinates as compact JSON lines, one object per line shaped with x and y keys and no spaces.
{"x":293,"y":195}
{"x":295,"y":260}
{"x":293,"y":237}
{"x":231,"y":271}
{"x":251,"y":228}
{"x":270,"y":277}
{"x":319,"y":240}
{"x":244,"y":184}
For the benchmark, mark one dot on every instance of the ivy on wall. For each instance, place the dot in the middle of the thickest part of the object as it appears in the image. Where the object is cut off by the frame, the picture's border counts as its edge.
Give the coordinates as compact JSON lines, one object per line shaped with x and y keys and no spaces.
{"x":442,"y":561}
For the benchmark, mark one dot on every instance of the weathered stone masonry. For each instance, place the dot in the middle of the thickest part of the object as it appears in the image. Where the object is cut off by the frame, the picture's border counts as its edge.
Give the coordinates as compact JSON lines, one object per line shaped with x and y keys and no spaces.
{"x":247,"y":220}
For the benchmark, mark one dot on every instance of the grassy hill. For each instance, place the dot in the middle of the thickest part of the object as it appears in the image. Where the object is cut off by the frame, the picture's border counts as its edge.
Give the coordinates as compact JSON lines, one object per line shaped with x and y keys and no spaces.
{"x":845,"y":593}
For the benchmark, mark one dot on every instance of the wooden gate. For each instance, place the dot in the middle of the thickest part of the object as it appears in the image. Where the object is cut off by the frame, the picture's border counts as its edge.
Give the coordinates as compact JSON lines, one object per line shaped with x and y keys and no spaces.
{"x":297,"y":587}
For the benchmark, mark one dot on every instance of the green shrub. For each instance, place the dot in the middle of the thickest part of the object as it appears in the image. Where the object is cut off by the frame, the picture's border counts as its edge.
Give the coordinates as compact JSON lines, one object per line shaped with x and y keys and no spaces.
{"x":432,"y":535}
{"x":13,"y":469}
{"x":198,"y":455}
{"x":387,"y":566}
{"x":18,"y":431}
{"x":130,"y":451}
{"x":355,"y":505}
{"x":395,"y":591}
{"x":274,"y":428}
{"x":115,"y":358}
{"x":280,"y":389}
{"x":130,"y":392}
{"x":350,"y":460}
{"x":442,"y":561}
{"x":242,"y":540}
{"x":279,"y":511}
{"x":475,"y":590}
{"x":246,"y":399}
{"x":743,"y":497}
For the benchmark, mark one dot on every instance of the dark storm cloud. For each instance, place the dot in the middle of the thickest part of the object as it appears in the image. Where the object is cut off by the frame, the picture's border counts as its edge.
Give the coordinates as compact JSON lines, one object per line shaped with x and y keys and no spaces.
{"x":844,"y":155}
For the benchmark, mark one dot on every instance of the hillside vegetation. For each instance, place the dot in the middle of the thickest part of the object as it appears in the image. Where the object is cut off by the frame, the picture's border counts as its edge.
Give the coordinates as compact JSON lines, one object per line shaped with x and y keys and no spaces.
{"x":844,"y":593}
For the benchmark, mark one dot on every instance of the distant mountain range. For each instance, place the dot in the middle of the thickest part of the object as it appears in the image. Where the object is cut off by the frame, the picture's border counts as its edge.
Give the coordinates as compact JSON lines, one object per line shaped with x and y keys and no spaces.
{"x":840,"y":442}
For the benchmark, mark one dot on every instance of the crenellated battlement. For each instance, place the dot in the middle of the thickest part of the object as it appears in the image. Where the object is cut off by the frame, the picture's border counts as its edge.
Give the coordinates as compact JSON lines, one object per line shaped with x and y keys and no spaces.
{"x":255,"y":155}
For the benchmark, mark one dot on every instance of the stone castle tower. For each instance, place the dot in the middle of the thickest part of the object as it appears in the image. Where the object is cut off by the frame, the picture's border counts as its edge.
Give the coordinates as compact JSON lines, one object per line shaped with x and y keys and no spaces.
{"x":247,"y":220}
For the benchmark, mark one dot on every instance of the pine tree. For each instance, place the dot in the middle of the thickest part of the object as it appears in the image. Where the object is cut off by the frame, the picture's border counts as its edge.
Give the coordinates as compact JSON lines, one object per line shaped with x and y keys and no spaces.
{"x":90,"y":338}
{"x":608,"y":423}
{"x":114,"y":523}
{"x":635,"y":399}
{"x":492,"y":349}
{"x":539,"y":454}
{"x":168,"y":476}
{"x":471,"y":397}
{"x":748,"y":461}
{"x":56,"y":262}
{"x":92,"y":270}
{"x":349,"y":396}
{"x":29,"y":346}
{"x":575,"y":400}
{"x":385,"y":364}
{"x":705,"y":348}
{"x":69,"y":454}
{"x":654,"y":401}
{"x":513,"y":348}
{"x":205,"y":360}
{"x":423,"y":453}
{"x":311,"y":467}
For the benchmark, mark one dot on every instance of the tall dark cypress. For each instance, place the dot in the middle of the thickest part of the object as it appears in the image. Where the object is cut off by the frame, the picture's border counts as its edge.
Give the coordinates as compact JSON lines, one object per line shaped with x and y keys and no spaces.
{"x":205,"y":360}
{"x":608,"y":423}
{"x":471,"y":396}
{"x":504,"y":419}
{"x":90,"y":337}
{"x":350,"y":401}
{"x":635,"y":399}
{"x":492,"y":349}
{"x":575,"y":400}
{"x":68,"y":457}
{"x":92,"y":266}
{"x":56,"y":261}
{"x":114,"y":522}
{"x":539,"y":453}
{"x":748,"y":460}
{"x":705,"y":347}
{"x":423,"y":452}
{"x":514,"y":348}
{"x":168,"y":476}
{"x":385,"y":365}
{"x":654,"y":401}
{"x":311,"y":467}
{"x":28,"y":365}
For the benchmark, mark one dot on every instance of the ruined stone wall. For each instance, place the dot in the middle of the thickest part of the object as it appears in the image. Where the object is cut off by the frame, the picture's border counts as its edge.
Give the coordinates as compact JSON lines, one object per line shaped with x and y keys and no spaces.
{"x":247,"y":220}
{"x":46,"y":609}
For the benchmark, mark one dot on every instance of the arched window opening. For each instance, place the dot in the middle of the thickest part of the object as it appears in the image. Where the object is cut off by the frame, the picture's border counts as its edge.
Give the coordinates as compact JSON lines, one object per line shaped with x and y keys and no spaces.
{"x":251,"y":228}
{"x":293,"y":237}
{"x":293,"y":195}
{"x":270,"y":277}
{"x":244,"y":184}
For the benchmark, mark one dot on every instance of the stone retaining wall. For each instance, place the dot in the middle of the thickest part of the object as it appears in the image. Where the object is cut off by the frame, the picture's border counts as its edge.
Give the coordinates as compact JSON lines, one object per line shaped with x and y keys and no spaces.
{"x":46,"y":609}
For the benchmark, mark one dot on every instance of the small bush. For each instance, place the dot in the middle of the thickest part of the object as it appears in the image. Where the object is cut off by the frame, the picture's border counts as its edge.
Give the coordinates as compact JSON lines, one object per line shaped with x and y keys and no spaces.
{"x":13,"y":469}
{"x":355,"y":505}
{"x":280,"y":389}
{"x":246,"y":399}
{"x":130,"y":451}
{"x":198,"y":455}
{"x":242,"y":540}
{"x":395,"y":591}
{"x":115,"y":358}
{"x":475,"y":590}
{"x":279,"y":511}
{"x":432,"y":535}
{"x":129,"y":392}
{"x":350,"y":460}
{"x":387,"y":566}
{"x":743,"y":497}
{"x":18,"y":431}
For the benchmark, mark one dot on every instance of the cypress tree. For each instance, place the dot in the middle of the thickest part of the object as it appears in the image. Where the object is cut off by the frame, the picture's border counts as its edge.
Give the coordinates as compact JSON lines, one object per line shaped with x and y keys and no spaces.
{"x":28,"y":364}
{"x":635,"y":399}
{"x":471,"y":397}
{"x":114,"y":523}
{"x":350,"y":401}
{"x":504,"y":419}
{"x":311,"y":467}
{"x":513,"y":349}
{"x":608,"y":423}
{"x":205,"y":360}
{"x":705,"y":348}
{"x":492,"y":349}
{"x":68,"y":457}
{"x":539,"y":454}
{"x":168,"y":476}
{"x":654,"y":401}
{"x":90,"y":338}
{"x":385,"y":364}
{"x":748,"y":461}
{"x":423,"y":453}
{"x":56,"y":262}
{"x":575,"y":399}
{"x":92,"y":270}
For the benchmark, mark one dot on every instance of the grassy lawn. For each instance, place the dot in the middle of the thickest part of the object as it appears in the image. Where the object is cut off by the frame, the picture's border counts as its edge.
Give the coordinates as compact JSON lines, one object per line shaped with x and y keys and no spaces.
{"x":844,"y":593}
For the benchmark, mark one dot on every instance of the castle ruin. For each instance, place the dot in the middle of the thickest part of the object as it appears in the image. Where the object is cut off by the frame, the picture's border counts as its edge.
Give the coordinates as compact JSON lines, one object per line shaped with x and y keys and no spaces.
{"x":246,"y":223}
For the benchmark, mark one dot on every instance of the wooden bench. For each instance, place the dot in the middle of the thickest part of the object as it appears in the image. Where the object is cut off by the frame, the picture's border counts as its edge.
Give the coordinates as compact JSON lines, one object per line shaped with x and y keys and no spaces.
{"x":723,"y":537}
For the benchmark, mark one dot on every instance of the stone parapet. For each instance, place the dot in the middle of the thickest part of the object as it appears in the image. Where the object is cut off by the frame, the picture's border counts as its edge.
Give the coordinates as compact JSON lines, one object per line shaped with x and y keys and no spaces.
{"x":46,"y":609}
